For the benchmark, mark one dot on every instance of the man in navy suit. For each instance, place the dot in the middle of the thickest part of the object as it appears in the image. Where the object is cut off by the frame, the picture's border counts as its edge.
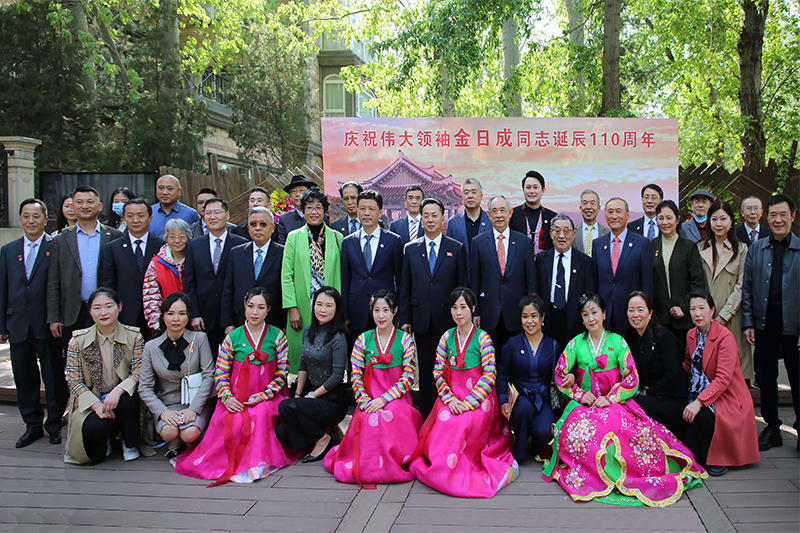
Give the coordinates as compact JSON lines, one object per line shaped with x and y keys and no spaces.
{"x":647,"y":225}
{"x":410,"y":227}
{"x":372,"y":259}
{"x":125,"y":261}
{"x":564,"y":276}
{"x":623,"y":261}
{"x":254,"y":264}
{"x":204,"y":271}
{"x":502,"y":271}
{"x":433,"y":266}
{"x":259,"y":197}
{"x":348,"y":224}
{"x":473,"y":221}
{"x":751,"y":229}
{"x":24,"y":266}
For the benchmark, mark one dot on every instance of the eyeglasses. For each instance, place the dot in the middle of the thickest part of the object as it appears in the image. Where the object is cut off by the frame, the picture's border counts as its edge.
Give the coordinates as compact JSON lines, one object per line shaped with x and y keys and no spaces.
{"x":177,"y":238}
{"x":565,"y":231}
{"x":255,"y":224}
{"x":314,"y":208}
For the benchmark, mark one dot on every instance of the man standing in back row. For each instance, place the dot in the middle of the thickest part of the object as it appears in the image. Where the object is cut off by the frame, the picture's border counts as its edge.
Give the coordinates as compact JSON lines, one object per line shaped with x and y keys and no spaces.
{"x":471,"y":222}
{"x":590,"y":229}
{"x":647,"y":226}
{"x":168,"y":191}
{"x":532,"y":218}
{"x":410,"y":227}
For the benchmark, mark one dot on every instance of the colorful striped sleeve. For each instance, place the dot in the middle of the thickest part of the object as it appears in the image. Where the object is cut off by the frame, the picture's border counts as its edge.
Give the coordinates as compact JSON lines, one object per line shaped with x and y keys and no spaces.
{"x":406,"y":380}
{"x":483,"y":388}
{"x":282,"y":370}
{"x":358,"y":362}
{"x":442,"y":386}
{"x":222,"y":372}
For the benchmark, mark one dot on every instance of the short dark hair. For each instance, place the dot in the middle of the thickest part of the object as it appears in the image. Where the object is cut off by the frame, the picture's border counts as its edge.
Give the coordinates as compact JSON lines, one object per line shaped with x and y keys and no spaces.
{"x":138,"y":201}
{"x":466,"y":293}
{"x":258,"y":189}
{"x":669,"y":204}
{"x":206,"y":190}
{"x":641,"y":294}
{"x":314,"y":193}
{"x":337,"y":323}
{"x":656,"y":188}
{"x":371,"y":194}
{"x":86,"y":188}
{"x":535,"y":301}
{"x":347,"y":184}
{"x":590,"y":298}
{"x":429,"y":201}
{"x":258,"y":290}
{"x":779,"y":199}
{"x":29,"y":201}
{"x":703,"y":294}
{"x":222,"y":202}
{"x":103,"y":291}
{"x":535,"y":175}
{"x":386,"y":295}
{"x":413,"y":188}
{"x":167,"y":303}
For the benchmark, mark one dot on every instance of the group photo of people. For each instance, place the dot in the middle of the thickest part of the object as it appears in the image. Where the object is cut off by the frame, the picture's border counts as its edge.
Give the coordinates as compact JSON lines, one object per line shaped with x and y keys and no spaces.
{"x":621,"y":356}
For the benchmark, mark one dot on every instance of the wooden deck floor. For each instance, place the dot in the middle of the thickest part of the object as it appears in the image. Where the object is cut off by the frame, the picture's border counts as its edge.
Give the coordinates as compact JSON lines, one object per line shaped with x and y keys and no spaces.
{"x":38,"y":492}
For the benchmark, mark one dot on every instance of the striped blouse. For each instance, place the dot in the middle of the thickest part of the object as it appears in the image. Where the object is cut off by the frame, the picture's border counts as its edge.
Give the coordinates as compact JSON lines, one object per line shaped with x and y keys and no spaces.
{"x":222,"y":373}
{"x":400,"y":388}
{"x":483,"y":387}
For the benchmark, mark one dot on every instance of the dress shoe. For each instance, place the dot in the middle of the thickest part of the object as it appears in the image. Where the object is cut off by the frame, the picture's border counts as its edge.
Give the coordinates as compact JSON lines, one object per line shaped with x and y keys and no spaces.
{"x":130,"y":454}
{"x":769,"y":438}
{"x":29,"y":437}
{"x":308,"y":458}
{"x":55,"y":438}
{"x":716,"y":471}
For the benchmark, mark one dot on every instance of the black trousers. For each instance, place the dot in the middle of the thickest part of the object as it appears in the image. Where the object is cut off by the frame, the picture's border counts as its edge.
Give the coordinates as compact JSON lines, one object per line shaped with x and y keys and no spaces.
{"x":500,"y":335}
{"x":426,"y":354}
{"x":83,"y":321}
{"x":556,"y":326}
{"x":697,"y":435}
{"x":771,"y":345}
{"x":680,"y":338}
{"x":668,"y":411}
{"x":97,"y":431}
{"x":28,"y":381}
{"x":527,"y":423}
{"x":306,"y":420}
{"x":216,"y":335}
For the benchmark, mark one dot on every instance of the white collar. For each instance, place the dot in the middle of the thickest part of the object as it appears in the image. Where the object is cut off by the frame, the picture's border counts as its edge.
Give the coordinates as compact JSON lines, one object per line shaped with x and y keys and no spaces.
{"x":222,"y":237}
{"x":567,"y":255}
{"x":416,"y":218}
{"x":375,"y":233}
{"x":37,"y":242}
{"x":262,"y":248}
{"x":506,"y":234}
{"x":143,"y":238}
{"x":437,"y":241}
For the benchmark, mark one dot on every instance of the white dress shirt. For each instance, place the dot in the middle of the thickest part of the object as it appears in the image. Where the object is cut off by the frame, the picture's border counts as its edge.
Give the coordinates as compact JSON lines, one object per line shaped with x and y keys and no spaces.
{"x":437,"y":244}
{"x":143,"y":238}
{"x":263,"y":249}
{"x":27,"y":249}
{"x":621,"y":236}
{"x":506,"y":234}
{"x":567,"y":261}
{"x":646,"y":226}
{"x":750,"y":231}
{"x":212,"y":242}
{"x":373,"y":242}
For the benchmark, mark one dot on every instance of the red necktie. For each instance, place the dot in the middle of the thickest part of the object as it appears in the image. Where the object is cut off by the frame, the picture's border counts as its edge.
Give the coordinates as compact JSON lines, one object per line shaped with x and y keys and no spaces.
{"x":501,"y":254}
{"x":615,"y":256}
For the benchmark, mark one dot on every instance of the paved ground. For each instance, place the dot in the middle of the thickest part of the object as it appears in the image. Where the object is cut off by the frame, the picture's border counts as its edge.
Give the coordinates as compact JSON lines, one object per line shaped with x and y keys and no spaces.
{"x":38,"y":492}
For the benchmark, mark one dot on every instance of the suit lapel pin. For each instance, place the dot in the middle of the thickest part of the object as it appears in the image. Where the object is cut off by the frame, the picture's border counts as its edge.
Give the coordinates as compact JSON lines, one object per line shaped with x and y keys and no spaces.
{"x":574,"y":271}
{"x":47,"y":254}
{"x":449,"y":254}
{"x":656,"y":253}
{"x":630,"y":245}
{"x":19,"y":258}
{"x":381,"y":246}
{"x":125,"y":245}
{"x":605,"y":247}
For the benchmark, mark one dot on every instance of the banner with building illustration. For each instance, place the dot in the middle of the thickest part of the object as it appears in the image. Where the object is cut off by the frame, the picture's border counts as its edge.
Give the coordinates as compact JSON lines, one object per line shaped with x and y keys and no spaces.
{"x":613,"y":156}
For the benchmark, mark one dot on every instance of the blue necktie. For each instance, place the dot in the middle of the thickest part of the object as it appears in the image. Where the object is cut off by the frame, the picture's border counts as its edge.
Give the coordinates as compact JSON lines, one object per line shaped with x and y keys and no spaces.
{"x":432,"y":257}
{"x":259,"y":262}
{"x":560,"y":296}
{"x":651,"y":231}
{"x":368,"y":252}
{"x":353,"y":227}
{"x":139,"y":254}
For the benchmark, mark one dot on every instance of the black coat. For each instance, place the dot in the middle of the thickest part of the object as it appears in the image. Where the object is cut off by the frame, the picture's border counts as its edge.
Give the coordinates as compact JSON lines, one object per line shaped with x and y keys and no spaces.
{"x":240,"y":278}
{"x":743,"y":233}
{"x":659,"y":363}
{"x":685,"y":275}
{"x":23,"y":302}
{"x":519,"y":223}
{"x":121,"y":273}
{"x":581,"y":281}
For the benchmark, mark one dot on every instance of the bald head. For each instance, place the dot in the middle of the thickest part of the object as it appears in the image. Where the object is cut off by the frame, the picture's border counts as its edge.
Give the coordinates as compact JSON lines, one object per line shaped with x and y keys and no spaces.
{"x":168,"y":190}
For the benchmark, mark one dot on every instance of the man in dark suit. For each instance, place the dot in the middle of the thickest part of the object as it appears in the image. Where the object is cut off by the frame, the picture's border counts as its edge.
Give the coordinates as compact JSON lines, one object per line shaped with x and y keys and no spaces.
{"x":410,"y":227}
{"x":259,"y":197}
{"x":696,"y":227}
{"x":502,"y":271}
{"x":24,"y":265}
{"x":473,"y":221}
{"x":199,"y":228}
{"x":564,"y":276}
{"x":751,"y":229}
{"x":125,"y":261}
{"x":623,"y":261}
{"x":288,"y":222}
{"x":75,"y":266}
{"x":204,"y":271}
{"x":254,"y":264}
{"x":647,"y":226}
{"x":349,"y":223}
{"x":531,"y":218}
{"x":433,"y":266}
{"x":372,"y":259}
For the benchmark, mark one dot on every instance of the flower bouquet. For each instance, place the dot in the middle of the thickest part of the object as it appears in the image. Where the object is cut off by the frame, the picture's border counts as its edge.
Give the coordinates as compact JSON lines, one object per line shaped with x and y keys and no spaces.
{"x":280,"y":202}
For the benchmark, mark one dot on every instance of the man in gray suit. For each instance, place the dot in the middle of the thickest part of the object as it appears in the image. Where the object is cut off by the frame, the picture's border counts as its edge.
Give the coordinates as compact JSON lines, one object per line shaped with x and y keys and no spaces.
{"x":200,"y":228}
{"x":590,"y":229}
{"x":75,"y":257}
{"x":696,"y":227}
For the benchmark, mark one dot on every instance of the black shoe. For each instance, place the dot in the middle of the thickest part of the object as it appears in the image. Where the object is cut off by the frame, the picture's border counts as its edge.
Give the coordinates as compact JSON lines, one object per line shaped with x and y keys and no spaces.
{"x":63,"y":421}
{"x":55,"y":438}
{"x":308,"y":458}
{"x":716,"y":471}
{"x":29,"y":437}
{"x":769,"y":438}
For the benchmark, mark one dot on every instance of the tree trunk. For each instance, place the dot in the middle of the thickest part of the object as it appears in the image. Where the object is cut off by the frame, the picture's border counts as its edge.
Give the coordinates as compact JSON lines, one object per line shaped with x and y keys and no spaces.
{"x":513,"y":99}
{"x":611,"y":26}
{"x":448,"y":105}
{"x":751,"y":44}
{"x":78,"y":25}
{"x":170,"y":44}
{"x":577,"y":36}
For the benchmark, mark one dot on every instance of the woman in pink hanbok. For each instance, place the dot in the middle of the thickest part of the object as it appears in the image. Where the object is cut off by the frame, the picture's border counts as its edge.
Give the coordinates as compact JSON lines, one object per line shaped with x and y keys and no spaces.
{"x":250,"y":378}
{"x":605,"y":447}
{"x":465,"y":444}
{"x":383,"y":431}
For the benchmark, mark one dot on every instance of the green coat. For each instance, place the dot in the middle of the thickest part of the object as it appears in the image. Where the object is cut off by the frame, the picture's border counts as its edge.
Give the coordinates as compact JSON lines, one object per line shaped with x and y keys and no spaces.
{"x":296,"y":281}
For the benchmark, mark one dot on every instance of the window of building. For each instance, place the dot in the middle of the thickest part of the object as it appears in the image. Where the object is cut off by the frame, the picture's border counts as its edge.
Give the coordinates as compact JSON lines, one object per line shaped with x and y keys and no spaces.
{"x":333,"y":96}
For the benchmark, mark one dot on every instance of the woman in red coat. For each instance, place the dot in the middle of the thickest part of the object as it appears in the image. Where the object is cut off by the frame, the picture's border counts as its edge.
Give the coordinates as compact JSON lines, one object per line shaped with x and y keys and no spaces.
{"x":720,"y":420}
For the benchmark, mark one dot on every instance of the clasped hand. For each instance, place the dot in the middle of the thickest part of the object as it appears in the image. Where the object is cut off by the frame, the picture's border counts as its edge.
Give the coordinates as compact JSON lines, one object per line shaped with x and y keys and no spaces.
{"x":591,"y":400}
{"x":457,"y":407}
{"x":105,"y":408}
{"x":374,"y":406}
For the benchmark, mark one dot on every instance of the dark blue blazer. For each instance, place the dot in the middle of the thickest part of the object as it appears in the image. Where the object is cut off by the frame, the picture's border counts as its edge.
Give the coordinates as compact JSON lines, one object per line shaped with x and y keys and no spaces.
{"x":199,"y":281}
{"x":530,"y":373}
{"x":400,"y":227}
{"x":424,"y":297}
{"x":498,"y":293}
{"x":121,"y":273}
{"x":582,"y":280}
{"x":634,"y":273}
{"x":240,"y":278}
{"x":358,"y":283}
{"x":457,"y":229}
{"x":23,"y":303}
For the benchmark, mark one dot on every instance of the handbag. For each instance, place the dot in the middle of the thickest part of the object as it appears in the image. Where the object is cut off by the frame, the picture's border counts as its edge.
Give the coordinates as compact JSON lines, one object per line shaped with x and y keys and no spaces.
{"x":190,"y":383}
{"x":556,"y":400}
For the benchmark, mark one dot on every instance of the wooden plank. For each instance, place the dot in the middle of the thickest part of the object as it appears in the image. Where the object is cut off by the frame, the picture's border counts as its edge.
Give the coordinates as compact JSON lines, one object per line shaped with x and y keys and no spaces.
{"x":383,"y":518}
{"x":765,"y":516}
{"x":709,"y":511}
{"x":361,"y":510}
{"x":103,"y":476}
{"x":309,"y":482}
{"x":507,"y":501}
{"x":774,"y":527}
{"x":299,"y":509}
{"x":746,"y":500}
{"x":85,"y":529}
{"x":397,"y":492}
{"x":725,"y":485}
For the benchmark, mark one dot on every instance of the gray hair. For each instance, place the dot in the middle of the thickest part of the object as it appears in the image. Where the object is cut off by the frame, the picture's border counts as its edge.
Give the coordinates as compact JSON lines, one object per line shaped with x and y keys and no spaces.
{"x":498,"y":197}
{"x":176,"y":224}
{"x":260,"y":210}
{"x":472,"y":181}
{"x":562,"y":216}
{"x":741,"y":206}
{"x":621,"y":200}
{"x":590,"y":191}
